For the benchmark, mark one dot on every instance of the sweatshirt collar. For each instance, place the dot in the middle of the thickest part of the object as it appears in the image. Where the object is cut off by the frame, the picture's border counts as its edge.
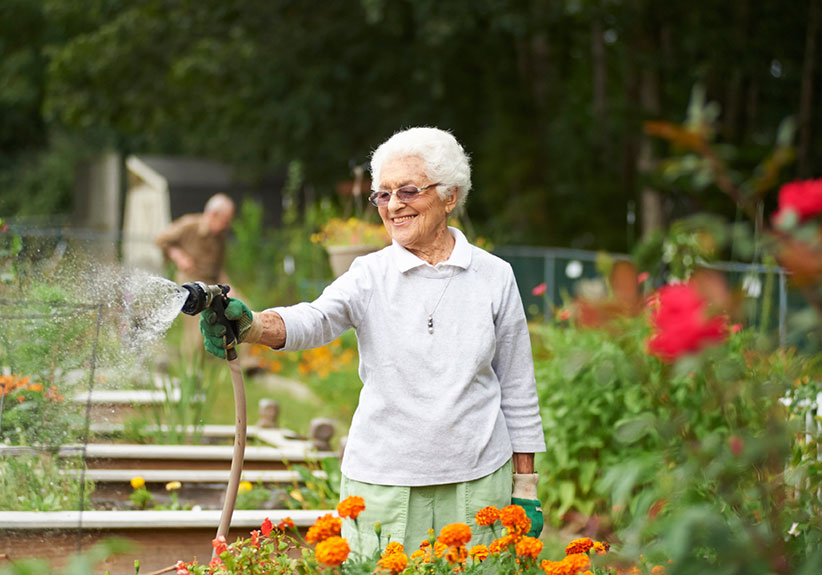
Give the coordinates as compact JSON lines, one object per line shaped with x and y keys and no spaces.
{"x":460,"y":255}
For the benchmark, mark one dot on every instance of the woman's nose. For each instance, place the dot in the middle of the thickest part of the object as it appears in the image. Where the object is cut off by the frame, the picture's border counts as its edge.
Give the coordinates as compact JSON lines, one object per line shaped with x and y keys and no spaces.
{"x":394,"y":202}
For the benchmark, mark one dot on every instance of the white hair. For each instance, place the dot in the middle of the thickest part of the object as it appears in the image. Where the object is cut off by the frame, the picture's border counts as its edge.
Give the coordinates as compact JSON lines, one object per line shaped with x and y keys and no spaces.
{"x":445,"y":160}
{"x":219,"y":203}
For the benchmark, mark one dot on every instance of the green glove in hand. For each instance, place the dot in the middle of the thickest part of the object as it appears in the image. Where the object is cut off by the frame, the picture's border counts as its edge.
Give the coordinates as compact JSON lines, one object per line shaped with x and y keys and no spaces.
{"x":525,"y":495}
{"x":533,"y":509}
{"x":214,"y":333}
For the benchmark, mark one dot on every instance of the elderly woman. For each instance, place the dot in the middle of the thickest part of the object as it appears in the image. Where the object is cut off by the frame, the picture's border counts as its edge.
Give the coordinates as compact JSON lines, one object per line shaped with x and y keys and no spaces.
{"x":448,"y":408}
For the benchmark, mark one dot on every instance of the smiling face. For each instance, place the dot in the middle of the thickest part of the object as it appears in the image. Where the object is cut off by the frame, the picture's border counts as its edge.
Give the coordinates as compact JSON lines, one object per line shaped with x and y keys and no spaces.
{"x":420,"y":226}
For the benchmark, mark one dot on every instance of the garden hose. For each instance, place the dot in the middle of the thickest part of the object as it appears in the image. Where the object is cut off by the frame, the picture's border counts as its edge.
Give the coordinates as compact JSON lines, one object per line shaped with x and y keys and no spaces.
{"x":240,"y":430}
{"x":215,"y":297}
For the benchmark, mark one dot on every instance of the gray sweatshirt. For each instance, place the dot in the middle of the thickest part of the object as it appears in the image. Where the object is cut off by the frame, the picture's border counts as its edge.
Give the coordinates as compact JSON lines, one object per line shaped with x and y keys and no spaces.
{"x":435,"y":408}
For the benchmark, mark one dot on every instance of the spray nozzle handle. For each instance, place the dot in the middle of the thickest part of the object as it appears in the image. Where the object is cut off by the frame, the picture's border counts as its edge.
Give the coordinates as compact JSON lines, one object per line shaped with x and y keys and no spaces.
{"x":218,"y":305}
{"x":202,"y":296}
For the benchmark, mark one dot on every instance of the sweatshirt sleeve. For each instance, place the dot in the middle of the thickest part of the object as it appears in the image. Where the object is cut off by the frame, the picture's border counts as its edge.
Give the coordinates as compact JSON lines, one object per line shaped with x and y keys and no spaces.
{"x":514,"y":366}
{"x":339,"y":308}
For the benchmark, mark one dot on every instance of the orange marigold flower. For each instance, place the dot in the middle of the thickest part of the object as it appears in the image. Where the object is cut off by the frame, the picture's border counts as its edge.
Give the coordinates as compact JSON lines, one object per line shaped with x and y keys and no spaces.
{"x":440,"y":549}
{"x":418,"y":555}
{"x":514,"y":518}
{"x":425,"y":543}
{"x":576,"y":563}
{"x":550,"y":567}
{"x":529,"y":547}
{"x":487,"y":516}
{"x":332,"y":551}
{"x":658,"y":570}
{"x":502,"y":544}
{"x":582,"y":545}
{"x":457,"y":555}
{"x":325,"y":527}
{"x":351,"y":506}
{"x":393,"y":547}
{"x":455,"y":535}
{"x":394,"y":562}
{"x":478,"y":552}
{"x":629,"y":571}
{"x":601,"y":547}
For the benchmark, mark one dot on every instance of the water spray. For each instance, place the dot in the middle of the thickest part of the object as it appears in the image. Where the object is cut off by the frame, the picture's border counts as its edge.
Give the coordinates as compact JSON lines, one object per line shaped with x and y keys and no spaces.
{"x":215,"y":297}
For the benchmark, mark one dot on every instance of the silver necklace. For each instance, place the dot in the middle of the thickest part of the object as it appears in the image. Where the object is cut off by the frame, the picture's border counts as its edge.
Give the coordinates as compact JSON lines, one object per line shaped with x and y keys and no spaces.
{"x":442,"y":293}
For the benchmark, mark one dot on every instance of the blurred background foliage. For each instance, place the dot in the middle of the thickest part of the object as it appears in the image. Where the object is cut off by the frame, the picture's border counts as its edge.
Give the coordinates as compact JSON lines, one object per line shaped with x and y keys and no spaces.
{"x":548,"y":97}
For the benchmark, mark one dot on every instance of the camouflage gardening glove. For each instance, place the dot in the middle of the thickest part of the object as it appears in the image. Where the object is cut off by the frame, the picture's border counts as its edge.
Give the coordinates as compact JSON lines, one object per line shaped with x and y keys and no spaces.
{"x":525,"y":495}
{"x":213,"y":332}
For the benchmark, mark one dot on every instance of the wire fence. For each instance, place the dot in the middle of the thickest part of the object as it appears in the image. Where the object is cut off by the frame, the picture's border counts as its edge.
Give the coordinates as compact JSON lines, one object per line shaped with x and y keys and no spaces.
{"x":569,"y":273}
{"x":23,"y":321}
{"x":566,"y":273}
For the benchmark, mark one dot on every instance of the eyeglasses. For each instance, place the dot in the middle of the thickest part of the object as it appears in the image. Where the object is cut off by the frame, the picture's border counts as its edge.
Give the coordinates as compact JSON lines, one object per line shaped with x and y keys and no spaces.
{"x":405,"y":194}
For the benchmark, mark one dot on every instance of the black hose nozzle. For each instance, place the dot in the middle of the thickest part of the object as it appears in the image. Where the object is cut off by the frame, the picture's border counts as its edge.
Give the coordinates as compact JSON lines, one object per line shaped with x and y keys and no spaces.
{"x":202,"y":296}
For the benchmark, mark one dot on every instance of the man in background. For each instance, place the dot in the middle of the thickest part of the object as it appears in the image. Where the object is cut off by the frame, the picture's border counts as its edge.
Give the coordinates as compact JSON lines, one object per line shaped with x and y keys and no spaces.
{"x":196,"y":245}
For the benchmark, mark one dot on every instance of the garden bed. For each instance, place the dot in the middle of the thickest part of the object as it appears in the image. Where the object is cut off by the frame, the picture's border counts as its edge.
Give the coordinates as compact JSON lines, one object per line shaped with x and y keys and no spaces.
{"x":160,"y":537}
{"x":205,"y":488}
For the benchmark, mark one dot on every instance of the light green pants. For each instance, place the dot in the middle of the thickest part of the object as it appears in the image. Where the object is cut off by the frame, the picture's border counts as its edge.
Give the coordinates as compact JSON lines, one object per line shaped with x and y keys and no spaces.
{"x":407,"y":513}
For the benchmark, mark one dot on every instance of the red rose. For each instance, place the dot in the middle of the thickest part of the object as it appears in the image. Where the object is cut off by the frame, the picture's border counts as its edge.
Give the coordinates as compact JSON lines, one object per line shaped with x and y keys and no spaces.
{"x":266,"y":527}
{"x":681,"y":324}
{"x":804,"y":198}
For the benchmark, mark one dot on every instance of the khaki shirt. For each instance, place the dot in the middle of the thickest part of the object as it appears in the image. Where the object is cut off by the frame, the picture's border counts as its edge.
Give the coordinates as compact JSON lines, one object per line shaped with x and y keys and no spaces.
{"x":207,"y":250}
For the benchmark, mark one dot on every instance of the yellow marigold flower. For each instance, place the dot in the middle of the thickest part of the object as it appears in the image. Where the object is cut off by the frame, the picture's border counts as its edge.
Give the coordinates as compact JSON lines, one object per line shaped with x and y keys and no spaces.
{"x":487,"y":516}
{"x":478,"y":553}
{"x":324,"y":527}
{"x":138,"y":482}
{"x":36,"y":387}
{"x":457,"y":555}
{"x":418,"y":555}
{"x":394,"y":562}
{"x":244,"y":487}
{"x":332,"y":551}
{"x":455,"y":534}
{"x":582,"y":545}
{"x":351,"y":506}
{"x":393,"y":547}
{"x":173,"y":485}
{"x":658,"y":570}
{"x":514,"y":518}
{"x":601,"y":547}
{"x":529,"y":547}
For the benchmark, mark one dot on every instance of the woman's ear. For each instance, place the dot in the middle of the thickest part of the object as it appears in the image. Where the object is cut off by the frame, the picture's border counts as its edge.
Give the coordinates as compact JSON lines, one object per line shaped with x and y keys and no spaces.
{"x":451,"y":201}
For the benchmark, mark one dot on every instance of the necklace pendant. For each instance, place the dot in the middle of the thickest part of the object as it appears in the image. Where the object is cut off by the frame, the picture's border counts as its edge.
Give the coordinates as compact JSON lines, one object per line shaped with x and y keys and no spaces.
{"x":430,"y":324}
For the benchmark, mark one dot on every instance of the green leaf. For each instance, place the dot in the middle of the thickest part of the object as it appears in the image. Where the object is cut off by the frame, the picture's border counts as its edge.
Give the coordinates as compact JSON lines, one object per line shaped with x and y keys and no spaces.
{"x":566,"y":492}
{"x":631,"y":430}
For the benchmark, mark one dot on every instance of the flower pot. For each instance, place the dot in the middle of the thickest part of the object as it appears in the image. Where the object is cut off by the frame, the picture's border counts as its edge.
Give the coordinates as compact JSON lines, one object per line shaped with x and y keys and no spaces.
{"x":341,"y":257}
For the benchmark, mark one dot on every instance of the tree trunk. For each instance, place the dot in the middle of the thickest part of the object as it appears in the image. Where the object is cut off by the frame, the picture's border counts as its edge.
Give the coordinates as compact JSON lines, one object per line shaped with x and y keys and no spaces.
{"x":650,"y":200}
{"x":600,"y":72}
{"x":806,"y":90}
